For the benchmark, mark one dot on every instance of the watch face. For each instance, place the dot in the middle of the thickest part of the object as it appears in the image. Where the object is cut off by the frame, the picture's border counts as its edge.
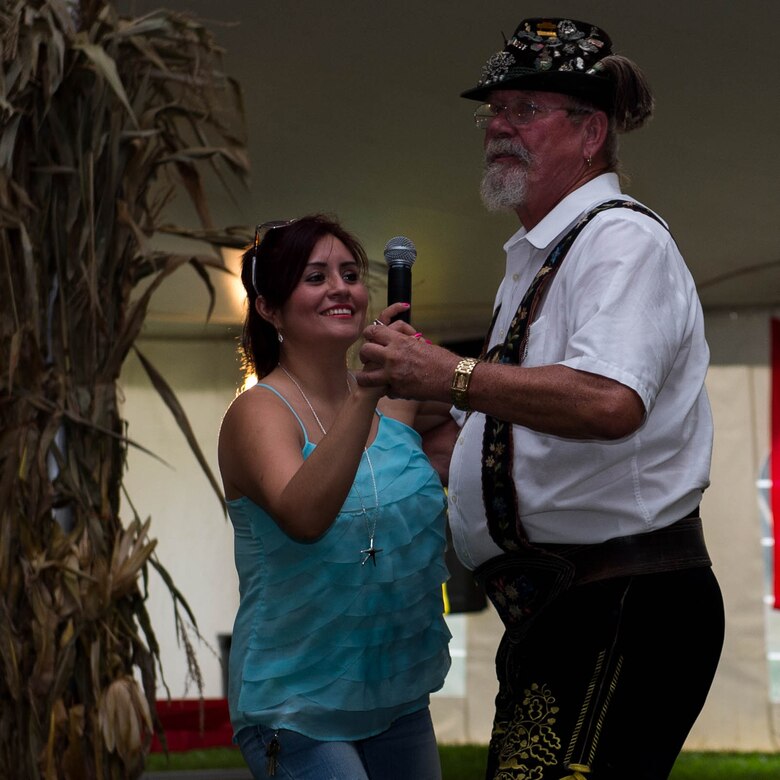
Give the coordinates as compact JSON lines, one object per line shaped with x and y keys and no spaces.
{"x":460,"y":383}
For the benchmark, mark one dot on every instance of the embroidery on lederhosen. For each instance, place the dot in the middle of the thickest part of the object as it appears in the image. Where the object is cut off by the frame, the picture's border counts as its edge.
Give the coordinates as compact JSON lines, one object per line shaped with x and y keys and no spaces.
{"x":526,"y":740}
{"x":587,"y":732}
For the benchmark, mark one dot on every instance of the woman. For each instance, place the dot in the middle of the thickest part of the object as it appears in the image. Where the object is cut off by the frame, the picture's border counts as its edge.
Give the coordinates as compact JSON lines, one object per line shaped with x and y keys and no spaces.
{"x":339,"y":530}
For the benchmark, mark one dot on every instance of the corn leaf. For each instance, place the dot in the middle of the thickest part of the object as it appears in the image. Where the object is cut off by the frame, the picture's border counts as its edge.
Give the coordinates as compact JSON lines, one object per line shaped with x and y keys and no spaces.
{"x":176,"y":409}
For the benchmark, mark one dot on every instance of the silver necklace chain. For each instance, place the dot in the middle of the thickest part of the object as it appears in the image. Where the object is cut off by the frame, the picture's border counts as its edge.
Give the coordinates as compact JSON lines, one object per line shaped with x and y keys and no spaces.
{"x":370,"y":552}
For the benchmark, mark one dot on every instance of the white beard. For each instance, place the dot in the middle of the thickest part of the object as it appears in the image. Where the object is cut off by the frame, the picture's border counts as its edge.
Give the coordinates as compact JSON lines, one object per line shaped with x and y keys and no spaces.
{"x":504,"y":187}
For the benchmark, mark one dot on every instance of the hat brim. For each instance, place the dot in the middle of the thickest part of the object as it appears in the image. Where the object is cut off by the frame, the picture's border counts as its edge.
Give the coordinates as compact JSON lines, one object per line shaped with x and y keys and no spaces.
{"x":596,"y":89}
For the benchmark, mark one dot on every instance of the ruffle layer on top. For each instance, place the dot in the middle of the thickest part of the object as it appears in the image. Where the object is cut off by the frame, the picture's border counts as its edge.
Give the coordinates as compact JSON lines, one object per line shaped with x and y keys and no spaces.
{"x":344,"y":646}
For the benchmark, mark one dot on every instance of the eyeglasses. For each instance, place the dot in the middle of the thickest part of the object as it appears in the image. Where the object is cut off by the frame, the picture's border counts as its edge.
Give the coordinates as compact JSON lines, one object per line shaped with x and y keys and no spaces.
{"x":261,"y":231}
{"x":518,"y":114}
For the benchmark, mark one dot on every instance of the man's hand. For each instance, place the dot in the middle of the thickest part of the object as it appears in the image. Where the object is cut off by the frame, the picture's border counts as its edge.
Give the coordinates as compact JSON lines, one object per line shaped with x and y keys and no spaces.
{"x":398,"y":357}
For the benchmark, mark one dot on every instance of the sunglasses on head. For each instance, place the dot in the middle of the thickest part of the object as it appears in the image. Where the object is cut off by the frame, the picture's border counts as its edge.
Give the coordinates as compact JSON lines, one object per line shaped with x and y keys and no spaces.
{"x":261,"y":231}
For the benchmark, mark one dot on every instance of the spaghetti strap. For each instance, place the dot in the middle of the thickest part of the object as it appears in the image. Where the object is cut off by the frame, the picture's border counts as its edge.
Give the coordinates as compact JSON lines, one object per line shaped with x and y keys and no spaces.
{"x":289,"y":406}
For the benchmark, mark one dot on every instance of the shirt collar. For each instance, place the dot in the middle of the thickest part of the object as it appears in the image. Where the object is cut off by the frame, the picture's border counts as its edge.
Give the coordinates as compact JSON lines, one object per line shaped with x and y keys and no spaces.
{"x":572,"y":206}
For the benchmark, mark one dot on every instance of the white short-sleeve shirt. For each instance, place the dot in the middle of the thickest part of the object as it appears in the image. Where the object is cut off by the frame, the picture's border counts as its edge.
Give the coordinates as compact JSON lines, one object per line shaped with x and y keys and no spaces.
{"x":622,"y":305}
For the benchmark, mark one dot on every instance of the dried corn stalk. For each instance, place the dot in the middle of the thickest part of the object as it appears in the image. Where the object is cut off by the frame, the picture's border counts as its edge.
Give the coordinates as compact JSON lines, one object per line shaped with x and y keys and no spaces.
{"x":103,"y":119}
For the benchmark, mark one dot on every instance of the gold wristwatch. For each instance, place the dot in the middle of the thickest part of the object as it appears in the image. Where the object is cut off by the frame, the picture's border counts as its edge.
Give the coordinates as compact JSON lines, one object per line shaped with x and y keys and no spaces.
{"x":460,"y":383}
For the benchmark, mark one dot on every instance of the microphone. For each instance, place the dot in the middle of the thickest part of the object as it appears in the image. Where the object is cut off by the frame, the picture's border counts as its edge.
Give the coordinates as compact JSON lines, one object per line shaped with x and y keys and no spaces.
{"x":400,"y":254}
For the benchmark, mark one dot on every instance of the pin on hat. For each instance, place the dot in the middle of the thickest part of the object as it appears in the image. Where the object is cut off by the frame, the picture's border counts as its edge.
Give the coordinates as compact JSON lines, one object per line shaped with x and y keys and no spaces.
{"x":551,"y":55}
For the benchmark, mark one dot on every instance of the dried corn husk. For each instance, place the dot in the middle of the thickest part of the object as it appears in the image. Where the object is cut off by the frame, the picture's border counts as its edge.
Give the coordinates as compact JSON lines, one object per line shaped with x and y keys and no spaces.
{"x":103,"y":120}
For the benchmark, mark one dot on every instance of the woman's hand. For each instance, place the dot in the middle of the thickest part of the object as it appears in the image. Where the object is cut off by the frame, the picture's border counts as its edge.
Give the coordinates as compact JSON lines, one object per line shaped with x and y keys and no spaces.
{"x":387,"y":317}
{"x":399,"y":358}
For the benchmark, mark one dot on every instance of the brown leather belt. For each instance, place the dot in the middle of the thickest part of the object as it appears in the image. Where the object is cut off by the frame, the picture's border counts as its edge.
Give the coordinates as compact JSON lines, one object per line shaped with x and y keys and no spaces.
{"x":676,"y":547}
{"x":522,"y":583}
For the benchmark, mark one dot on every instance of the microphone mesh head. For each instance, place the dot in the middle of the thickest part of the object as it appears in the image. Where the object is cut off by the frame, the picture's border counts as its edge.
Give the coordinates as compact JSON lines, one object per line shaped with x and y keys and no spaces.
{"x":400,"y":251}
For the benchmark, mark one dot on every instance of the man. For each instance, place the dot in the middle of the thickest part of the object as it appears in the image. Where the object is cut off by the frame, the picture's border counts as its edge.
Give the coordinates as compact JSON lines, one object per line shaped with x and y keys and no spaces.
{"x":585,"y":431}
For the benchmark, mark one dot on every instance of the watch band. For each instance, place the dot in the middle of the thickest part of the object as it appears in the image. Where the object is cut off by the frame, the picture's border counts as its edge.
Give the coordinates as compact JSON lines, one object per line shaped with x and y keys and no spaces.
{"x":460,"y":383}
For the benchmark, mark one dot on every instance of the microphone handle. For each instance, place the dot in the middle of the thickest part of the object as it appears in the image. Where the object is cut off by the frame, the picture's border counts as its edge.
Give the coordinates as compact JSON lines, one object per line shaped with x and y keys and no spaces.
{"x":399,"y":288}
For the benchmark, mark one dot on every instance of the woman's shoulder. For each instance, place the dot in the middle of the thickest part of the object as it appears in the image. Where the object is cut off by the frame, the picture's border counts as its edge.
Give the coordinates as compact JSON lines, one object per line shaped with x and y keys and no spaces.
{"x":256,"y":426}
{"x":260,"y":405}
{"x":251,"y":399}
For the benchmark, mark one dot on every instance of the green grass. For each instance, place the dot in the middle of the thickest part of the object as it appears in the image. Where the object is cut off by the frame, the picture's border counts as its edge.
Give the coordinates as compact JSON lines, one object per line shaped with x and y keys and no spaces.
{"x":727,"y":766}
{"x":467,"y":762}
{"x":213,"y":758}
{"x":463,"y":762}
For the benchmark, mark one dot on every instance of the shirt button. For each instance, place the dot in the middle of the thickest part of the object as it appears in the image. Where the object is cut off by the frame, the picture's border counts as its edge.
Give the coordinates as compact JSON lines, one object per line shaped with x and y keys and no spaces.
{"x":502,"y":333}
{"x":515,"y":277}
{"x":453,"y":498}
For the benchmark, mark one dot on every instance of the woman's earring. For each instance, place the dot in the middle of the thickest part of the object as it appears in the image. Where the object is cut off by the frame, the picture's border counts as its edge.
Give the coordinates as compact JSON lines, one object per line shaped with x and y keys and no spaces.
{"x":280,"y":337}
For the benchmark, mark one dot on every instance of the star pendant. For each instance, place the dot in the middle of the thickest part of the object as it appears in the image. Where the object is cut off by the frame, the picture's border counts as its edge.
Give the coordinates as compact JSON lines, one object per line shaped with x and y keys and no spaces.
{"x":371,"y":552}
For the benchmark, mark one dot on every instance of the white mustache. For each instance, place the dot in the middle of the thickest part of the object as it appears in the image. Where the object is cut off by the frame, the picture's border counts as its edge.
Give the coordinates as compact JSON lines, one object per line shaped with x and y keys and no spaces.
{"x":502,"y":147}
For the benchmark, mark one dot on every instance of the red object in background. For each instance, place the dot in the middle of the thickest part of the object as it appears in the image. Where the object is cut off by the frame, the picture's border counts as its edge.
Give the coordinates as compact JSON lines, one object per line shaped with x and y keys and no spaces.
{"x":194,"y":724}
{"x":774,"y":453}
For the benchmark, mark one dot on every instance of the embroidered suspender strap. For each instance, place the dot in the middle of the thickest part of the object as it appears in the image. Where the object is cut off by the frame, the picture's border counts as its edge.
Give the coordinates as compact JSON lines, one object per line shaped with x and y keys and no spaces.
{"x":498,"y":488}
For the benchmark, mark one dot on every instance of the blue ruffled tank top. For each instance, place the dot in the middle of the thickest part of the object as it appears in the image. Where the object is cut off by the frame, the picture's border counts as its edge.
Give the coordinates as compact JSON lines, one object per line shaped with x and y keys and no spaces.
{"x":323,"y":644}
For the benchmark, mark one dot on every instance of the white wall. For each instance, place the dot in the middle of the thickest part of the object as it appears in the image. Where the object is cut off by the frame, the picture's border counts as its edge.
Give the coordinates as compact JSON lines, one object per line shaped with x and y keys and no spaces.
{"x":737,"y":712}
{"x":195,"y":542}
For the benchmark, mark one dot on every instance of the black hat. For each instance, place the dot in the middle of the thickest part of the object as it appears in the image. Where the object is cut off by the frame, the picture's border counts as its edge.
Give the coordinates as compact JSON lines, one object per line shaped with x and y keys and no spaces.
{"x":551,"y":55}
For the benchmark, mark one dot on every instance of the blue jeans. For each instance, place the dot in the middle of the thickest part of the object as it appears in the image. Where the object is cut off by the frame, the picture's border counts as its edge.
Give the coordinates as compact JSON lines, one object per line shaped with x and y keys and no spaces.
{"x":406,"y":750}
